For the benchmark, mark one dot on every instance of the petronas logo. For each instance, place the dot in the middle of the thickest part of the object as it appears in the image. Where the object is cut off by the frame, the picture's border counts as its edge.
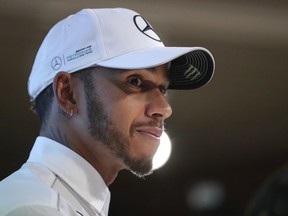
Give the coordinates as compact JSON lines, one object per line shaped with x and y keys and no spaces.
{"x":192,"y":73}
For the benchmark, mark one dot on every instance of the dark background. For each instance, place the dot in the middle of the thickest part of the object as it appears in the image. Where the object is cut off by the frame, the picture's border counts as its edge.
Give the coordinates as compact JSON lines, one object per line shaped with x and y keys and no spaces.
{"x":233,"y":132}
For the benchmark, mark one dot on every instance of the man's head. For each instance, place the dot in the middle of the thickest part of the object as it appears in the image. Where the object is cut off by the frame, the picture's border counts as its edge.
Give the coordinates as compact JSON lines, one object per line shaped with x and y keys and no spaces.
{"x":99,"y":82}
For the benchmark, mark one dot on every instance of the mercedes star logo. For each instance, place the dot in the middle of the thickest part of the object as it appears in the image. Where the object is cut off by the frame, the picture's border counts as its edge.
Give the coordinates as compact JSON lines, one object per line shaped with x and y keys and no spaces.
{"x":145,"y":27}
{"x":56,"y":63}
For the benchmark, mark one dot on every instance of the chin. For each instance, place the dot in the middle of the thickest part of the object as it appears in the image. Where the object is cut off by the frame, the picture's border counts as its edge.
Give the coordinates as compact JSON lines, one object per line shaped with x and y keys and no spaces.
{"x":140,"y":167}
{"x":141,"y":174}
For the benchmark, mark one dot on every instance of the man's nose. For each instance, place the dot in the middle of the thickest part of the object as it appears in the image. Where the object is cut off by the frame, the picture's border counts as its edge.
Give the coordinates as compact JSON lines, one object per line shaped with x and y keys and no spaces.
{"x":158,"y":106}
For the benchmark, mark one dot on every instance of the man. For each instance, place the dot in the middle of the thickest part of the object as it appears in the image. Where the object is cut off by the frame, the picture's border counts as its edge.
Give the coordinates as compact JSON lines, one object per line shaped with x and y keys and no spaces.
{"x":98,"y":82}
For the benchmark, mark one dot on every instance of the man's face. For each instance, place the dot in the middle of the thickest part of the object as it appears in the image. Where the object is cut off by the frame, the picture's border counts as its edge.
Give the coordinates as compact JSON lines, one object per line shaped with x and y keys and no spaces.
{"x":126,"y":112}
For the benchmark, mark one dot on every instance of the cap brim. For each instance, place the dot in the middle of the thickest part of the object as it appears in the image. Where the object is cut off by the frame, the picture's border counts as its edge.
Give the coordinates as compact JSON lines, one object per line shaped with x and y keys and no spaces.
{"x":191,"y":67}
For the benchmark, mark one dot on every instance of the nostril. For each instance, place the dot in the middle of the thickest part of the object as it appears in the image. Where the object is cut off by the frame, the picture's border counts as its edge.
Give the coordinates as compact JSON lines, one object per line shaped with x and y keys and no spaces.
{"x":157,"y":115}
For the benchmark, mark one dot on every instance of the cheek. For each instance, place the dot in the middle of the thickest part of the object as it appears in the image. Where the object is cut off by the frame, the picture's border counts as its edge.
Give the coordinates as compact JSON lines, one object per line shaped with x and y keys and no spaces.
{"x":124,"y":113}
{"x":123,"y":119}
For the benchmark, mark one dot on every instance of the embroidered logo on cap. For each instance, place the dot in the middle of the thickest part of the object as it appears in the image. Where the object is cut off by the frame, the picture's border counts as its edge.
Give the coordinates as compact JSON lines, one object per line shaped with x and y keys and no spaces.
{"x":80,"y":53}
{"x":144,"y":27}
{"x":56,"y":63}
{"x":192,"y":73}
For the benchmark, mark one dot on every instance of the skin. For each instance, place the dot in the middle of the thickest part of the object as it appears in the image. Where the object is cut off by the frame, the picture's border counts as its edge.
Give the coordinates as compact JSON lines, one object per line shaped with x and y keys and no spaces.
{"x":127,"y":134}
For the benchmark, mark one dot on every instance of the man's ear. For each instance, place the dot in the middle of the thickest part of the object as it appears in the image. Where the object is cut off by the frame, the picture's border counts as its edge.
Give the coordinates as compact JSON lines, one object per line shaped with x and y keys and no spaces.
{"x":64,"y":92}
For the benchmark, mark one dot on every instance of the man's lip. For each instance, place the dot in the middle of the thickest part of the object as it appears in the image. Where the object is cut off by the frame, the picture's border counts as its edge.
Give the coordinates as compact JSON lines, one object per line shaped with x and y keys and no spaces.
{"x":155,"y":132}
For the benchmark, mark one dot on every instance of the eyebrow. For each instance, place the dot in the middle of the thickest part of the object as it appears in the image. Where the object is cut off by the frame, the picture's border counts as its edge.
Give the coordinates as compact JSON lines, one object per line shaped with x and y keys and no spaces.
{"x":153,"y":71}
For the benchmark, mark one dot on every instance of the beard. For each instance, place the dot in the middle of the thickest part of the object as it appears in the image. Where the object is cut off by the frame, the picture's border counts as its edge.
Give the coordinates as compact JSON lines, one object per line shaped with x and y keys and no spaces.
{"x":102,"y":129}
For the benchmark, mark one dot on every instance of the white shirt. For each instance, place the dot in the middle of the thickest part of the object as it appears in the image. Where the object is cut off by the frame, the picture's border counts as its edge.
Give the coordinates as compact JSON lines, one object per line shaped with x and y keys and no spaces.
{"x":54,"y":181}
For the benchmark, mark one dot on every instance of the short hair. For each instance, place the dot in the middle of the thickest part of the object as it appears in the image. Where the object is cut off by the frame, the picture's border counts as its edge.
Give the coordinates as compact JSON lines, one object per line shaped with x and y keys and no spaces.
{"x":43,"y":103}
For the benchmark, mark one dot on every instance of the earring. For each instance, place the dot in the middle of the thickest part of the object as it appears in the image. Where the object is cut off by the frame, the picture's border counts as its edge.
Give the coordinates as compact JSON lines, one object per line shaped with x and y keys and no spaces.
{"x":71,"y":112}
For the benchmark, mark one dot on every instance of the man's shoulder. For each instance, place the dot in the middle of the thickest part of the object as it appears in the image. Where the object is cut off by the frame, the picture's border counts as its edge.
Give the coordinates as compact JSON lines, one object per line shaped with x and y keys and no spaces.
{"x":29,"y":186}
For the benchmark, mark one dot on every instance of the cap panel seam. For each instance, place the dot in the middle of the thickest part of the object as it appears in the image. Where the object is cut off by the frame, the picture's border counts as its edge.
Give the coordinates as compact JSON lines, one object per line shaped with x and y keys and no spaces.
{"x":94,"y":13}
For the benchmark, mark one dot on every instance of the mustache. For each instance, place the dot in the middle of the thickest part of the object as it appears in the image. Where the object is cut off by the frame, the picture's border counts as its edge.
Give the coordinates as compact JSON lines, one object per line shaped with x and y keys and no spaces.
{"x":151,"y":123}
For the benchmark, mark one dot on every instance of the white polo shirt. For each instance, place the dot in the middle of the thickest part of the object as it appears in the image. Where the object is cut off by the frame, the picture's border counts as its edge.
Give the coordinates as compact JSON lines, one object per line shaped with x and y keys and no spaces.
{"x":54,"y":181}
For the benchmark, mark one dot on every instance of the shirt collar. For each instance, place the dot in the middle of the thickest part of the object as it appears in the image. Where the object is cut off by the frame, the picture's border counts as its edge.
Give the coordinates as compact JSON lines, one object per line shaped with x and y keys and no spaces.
{"x":73,"y":169}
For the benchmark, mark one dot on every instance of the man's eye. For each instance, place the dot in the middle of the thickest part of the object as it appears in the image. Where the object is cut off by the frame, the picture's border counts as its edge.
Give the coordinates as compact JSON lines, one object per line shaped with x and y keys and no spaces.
{"x":135,"y":82}
{"x":163,"y":90}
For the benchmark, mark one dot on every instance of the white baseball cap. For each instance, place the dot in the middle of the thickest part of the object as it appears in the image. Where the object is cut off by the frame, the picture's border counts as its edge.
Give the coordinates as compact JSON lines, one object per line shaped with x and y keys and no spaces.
{"x":115,"y":38}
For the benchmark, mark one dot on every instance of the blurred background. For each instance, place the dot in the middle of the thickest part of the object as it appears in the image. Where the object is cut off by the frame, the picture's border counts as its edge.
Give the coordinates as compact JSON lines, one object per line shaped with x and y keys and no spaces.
{"x":227,"y":137}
